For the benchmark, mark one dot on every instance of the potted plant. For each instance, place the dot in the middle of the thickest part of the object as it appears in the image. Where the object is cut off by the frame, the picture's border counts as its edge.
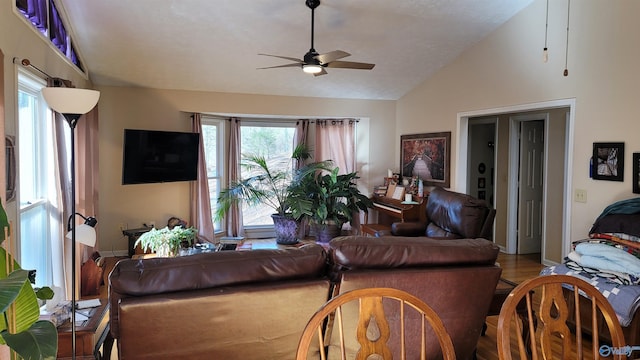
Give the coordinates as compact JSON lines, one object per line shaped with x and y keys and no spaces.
{"x":167,"y":242}
{"x":269,"y":185}
{"x":327,"y":199}
{"x":20,"y":327}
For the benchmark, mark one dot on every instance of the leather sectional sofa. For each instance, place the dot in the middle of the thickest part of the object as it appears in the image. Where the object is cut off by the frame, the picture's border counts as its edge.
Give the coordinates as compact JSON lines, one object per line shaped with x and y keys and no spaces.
{"x":255,"y":304}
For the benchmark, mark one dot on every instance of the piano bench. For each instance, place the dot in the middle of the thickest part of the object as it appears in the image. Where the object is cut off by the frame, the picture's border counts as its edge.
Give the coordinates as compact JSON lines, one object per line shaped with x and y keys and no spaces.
{"x":375,"y":229}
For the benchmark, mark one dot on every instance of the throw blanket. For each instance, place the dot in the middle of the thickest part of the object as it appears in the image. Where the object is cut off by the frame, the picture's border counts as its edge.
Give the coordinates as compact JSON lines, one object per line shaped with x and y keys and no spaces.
{"x":629,"y":206}
{"x":605,"y":257}
{"x":625,"y":300}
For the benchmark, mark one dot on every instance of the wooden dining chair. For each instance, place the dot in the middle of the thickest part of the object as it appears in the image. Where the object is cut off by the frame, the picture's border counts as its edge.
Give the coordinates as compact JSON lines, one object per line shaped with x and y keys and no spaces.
{"x":375,"y":323}
{"x":553,"y":325}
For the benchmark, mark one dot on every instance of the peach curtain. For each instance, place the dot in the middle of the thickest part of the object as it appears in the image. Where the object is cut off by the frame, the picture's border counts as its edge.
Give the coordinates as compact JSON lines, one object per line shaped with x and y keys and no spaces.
{"x":201,"y":203}
{"x":234,"y":217}
{"x":335,"y":140}
{"x":300,"y":137}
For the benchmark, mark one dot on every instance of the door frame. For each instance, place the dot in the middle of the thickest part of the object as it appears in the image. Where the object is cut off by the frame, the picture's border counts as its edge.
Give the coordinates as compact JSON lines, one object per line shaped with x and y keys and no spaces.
{"x":514,"y":172}
{"x":460,"y":179}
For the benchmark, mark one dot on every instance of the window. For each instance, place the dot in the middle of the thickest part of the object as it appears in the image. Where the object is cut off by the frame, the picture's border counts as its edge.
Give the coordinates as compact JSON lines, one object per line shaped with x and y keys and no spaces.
{"x":212,"y":131}
{"x":38,"y":211}
{"x":45,"y":17}
{"x":274,"y":141}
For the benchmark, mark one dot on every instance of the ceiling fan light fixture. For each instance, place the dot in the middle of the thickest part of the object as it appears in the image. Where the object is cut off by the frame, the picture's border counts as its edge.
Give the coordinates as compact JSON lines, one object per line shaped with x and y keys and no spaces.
{"x":311,"y":68}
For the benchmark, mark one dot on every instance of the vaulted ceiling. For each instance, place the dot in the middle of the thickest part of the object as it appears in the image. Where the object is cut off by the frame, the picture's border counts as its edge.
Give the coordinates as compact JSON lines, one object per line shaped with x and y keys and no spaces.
{"x":213,"y":45}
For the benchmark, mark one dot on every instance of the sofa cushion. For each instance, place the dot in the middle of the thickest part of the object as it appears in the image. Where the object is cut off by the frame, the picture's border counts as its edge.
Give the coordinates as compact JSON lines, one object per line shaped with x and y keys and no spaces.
{"x":248,"y":322}
{"x":455,"y":213}
{"x":357,"y":252}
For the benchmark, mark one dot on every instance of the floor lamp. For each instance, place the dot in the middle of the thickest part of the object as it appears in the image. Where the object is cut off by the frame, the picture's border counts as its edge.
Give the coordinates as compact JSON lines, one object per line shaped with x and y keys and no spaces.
{"x":73,"y":103}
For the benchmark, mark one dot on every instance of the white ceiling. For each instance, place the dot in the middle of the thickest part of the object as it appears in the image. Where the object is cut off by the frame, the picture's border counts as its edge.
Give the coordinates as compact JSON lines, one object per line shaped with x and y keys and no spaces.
{"x":213,"y":45}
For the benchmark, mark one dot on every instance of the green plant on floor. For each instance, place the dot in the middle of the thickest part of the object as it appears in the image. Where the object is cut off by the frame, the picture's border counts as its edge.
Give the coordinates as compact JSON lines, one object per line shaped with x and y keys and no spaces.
{"x":166,"y":241}
{"x":20,"y":327}
{"x":325,"y":197}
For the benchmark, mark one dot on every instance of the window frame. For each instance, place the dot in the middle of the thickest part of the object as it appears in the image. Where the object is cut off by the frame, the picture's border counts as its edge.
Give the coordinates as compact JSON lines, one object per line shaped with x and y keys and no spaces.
{"x":32,"y":85}
{"x":219,"y":227}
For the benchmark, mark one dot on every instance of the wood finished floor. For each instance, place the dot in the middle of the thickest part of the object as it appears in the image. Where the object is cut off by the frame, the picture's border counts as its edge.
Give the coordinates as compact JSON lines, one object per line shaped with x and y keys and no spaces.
{"x":514,"y":267}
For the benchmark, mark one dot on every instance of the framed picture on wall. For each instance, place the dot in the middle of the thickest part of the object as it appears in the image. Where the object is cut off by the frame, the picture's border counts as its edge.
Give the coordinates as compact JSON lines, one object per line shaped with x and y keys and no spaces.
{"x":427,"y":156}
{"x":636,"y":173}
{"x":608,"y":161}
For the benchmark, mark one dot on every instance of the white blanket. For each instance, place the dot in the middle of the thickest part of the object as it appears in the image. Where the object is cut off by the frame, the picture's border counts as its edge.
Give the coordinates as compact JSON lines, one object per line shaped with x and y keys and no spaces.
{"x":605,"y":257}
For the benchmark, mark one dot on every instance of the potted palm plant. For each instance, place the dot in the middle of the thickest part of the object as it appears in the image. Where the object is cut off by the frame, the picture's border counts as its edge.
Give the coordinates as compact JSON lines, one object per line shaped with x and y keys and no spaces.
{"x":327,"y":199}
{"x":268,"y":185}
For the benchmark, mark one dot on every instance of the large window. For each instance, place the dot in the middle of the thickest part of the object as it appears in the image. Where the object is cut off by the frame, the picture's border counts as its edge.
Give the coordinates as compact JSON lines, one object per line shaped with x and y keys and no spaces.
{"x":37,"y":194}
{"x":212,"y":131}
{"x":274,"y":141}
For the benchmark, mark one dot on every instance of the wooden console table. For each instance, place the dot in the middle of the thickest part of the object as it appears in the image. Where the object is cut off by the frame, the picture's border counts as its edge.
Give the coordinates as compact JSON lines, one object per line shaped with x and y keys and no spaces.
{"x":91,"y":336}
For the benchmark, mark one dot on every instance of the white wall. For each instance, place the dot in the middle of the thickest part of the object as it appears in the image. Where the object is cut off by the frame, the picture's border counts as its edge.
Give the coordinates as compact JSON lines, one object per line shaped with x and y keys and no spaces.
{"x":506,"y":69}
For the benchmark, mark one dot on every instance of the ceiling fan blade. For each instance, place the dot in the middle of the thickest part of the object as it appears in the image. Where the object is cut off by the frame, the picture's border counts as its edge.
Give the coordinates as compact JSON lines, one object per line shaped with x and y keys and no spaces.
{"x":323,"y":72}
{"x":280,"y":66}
{"x":350,"y":65}
{"x":331,"y":56}
{"x":284,"y":57}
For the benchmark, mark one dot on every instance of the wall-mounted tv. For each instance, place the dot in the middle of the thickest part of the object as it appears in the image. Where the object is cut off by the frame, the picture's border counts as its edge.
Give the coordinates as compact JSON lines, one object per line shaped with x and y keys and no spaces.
{"x":151,"y":156}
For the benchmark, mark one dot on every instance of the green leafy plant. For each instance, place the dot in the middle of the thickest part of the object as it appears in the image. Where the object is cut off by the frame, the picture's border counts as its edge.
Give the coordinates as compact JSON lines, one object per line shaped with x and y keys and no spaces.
{"x":20,"y":327}
{"x":165,"y":241}
{"x":324,"y":197}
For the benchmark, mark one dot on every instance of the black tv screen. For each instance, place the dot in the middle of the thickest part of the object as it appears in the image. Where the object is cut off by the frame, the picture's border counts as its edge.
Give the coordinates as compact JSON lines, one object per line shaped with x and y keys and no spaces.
{"x":151,"y":156}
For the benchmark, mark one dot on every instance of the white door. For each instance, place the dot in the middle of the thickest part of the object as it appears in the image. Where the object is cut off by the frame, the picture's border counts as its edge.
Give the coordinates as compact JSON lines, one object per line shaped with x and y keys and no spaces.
{"x":530,"y":188}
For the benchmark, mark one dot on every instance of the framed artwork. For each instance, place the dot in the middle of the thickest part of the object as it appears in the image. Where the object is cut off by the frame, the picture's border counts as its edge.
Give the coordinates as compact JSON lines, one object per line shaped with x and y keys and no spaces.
{"x":427,"y":157}
{"x":636,"y":173}
{"x":481,"y":183}
{"x":608,"y":161}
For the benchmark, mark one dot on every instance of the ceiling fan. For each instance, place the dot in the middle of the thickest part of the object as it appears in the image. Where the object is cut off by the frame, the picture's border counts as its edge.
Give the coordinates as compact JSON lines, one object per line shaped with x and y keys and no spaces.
{"x":314,"y":63}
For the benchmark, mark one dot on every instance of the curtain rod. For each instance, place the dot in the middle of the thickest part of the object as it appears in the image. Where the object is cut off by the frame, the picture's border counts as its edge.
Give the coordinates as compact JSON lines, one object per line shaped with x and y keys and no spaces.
{"x":57,"y":82}
{"x":27,"y":63}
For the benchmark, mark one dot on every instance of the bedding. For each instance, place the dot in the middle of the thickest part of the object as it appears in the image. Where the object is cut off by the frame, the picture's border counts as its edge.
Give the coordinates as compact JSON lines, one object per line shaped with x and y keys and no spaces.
{"x":625,"y":299}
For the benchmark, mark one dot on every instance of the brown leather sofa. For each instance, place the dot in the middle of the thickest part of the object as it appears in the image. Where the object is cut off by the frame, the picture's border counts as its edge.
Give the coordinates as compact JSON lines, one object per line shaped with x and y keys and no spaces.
{"x":451,"y":215}
{"x":255,"y":304}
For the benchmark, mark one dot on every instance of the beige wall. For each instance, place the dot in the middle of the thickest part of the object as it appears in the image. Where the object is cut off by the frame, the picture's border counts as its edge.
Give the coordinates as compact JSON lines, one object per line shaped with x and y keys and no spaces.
{"x":506,"y":69}
{"x":122,"y":108}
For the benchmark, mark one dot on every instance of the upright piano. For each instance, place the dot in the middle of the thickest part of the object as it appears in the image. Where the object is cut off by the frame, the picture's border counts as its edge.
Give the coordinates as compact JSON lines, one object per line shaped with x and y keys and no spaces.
{"x":391,"y":210}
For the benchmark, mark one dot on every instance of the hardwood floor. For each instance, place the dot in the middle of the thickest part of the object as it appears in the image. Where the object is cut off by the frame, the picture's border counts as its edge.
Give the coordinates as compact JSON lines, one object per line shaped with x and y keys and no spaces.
{"x":516,"y":268}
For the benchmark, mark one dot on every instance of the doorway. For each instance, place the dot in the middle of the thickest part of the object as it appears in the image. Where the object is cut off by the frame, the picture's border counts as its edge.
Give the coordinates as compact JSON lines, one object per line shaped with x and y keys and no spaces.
{"x":554,"y":175}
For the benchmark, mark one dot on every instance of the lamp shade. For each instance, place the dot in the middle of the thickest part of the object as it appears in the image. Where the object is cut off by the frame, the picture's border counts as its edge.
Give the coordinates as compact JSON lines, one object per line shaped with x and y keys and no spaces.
{"x":70,"y":100}
{"x":85,"y":234}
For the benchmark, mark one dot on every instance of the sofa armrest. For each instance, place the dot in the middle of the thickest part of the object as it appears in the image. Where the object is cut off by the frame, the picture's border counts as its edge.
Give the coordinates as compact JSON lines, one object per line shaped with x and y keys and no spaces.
{"x":408,"y":228}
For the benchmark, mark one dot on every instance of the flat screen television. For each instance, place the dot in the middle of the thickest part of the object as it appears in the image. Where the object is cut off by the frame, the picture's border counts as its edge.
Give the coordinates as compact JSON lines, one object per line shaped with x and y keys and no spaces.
{"x":151,"y":156}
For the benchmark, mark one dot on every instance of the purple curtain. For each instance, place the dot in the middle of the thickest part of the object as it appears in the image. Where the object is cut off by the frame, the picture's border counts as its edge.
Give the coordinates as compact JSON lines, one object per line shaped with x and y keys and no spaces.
{"x":57,"y":31}
{"x":201,"y":198}
{"x":35,"y":11}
